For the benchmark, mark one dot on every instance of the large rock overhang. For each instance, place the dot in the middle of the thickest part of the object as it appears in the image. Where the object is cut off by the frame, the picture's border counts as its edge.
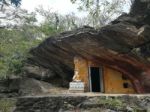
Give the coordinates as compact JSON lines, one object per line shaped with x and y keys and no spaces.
{"x":113,"y":46}
{"x":121,"y":46}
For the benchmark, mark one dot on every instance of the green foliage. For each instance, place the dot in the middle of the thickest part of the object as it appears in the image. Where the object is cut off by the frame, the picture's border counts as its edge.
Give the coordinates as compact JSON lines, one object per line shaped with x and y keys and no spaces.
{"x":115,"y":103}
{"x":48,"y":29}
{"x":14,"y":46}
{"x":7,"y":105}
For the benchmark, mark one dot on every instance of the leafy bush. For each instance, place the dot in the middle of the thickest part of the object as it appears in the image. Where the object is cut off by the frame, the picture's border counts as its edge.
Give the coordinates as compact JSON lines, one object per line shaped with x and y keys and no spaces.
{"x":14,"y":47}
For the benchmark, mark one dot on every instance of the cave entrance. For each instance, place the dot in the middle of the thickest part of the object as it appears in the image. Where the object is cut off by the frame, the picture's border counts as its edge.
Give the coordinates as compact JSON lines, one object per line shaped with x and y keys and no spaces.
{"x":96,"y":79}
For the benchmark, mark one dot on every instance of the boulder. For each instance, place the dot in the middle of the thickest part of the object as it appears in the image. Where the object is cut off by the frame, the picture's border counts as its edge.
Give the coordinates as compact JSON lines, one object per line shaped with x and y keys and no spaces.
{"x":25,"y":86}
{"x":29,"y":86}
{"x":38,"y":72}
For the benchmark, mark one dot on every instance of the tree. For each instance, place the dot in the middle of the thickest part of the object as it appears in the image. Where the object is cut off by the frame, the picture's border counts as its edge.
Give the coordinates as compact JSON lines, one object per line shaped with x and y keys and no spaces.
{"x":11,"y":17}
{"x":101,"y":12}
{"x":55,"y":23}
{"x":10,"y":2}
{"x":14,"y":47}
{"x":16,"y":39}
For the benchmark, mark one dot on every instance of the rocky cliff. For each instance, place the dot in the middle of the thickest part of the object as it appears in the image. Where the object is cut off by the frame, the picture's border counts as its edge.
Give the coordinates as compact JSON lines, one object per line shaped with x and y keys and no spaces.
{"x":123,"y":45}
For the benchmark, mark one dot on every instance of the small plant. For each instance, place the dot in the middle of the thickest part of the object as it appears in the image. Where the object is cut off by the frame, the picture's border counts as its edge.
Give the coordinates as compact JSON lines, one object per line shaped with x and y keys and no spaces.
{"x":6,"y":105}
{"x":110,"y":102}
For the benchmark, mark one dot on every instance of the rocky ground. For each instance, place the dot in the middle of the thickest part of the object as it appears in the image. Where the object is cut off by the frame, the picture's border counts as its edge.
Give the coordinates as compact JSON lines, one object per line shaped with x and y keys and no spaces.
{"x":77,"y":103}
{"x":31,"y":95}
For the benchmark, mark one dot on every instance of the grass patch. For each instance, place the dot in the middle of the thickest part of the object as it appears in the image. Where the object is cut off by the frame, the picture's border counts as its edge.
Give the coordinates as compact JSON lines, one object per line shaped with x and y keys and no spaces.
{"x":7,"y":105}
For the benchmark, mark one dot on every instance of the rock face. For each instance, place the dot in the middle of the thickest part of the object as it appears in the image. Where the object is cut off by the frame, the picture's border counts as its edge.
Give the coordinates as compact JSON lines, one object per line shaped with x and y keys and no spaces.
{"x":123,"y":45}
{"x":37,"y":72}
{"x":24,"y":86}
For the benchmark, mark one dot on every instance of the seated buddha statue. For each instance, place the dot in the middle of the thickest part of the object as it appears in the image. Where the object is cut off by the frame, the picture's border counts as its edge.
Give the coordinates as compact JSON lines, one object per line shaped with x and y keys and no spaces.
{"x":76,"y":77}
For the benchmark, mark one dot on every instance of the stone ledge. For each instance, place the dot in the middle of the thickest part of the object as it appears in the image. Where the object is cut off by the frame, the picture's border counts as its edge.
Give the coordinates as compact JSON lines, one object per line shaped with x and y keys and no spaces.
{"x":82,"y":103}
